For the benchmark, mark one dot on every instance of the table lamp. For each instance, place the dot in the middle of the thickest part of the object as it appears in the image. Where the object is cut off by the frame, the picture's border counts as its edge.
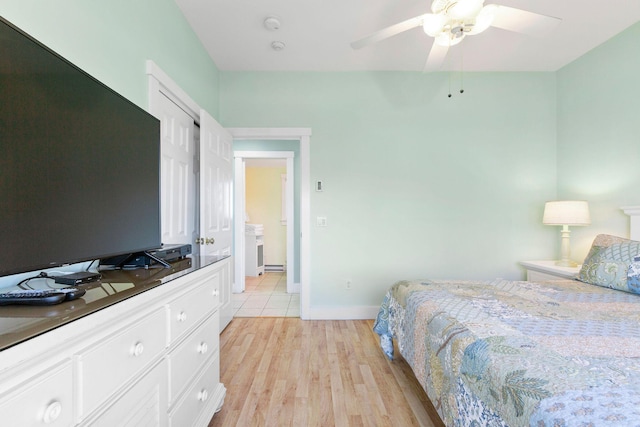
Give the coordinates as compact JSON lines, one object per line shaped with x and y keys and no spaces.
{"x":566,"y":213}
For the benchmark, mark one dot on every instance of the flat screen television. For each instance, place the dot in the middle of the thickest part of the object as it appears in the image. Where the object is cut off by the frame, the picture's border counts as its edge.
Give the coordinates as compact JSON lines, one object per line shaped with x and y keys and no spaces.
{"x":79,"y":164}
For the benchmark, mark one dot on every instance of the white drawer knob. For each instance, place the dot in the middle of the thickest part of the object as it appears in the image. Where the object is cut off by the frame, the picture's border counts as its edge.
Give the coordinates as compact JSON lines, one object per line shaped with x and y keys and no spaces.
{"x":137,"y":349}
{"x":216,"y":293}
{"x":182,"y":316}
{"x":203,"y":348}
{"x":52,"y":412}
{"x":203,"y":395}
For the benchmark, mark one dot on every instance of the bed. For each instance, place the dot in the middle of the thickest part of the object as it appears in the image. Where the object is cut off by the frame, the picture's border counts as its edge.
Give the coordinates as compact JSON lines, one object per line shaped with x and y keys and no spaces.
{"x":514,"y":353}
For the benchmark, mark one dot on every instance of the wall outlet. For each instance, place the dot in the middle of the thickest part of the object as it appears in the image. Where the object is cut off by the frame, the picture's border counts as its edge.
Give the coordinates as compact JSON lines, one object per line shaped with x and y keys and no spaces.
{"x":347,"y":284}
{"x":321,"y":221}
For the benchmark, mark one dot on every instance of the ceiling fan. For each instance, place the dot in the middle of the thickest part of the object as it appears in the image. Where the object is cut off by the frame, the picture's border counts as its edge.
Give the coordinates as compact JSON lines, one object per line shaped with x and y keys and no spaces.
{"x":452,"y":20}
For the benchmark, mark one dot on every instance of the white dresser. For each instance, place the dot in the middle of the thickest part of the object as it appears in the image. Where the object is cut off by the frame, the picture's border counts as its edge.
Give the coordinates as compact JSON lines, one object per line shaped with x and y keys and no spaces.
{"x":151,"y":358}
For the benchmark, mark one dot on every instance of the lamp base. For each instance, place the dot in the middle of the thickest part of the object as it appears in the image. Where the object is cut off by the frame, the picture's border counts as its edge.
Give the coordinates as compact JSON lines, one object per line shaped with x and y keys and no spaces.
{"x":565,"y":249}
{"x":566,"y":263}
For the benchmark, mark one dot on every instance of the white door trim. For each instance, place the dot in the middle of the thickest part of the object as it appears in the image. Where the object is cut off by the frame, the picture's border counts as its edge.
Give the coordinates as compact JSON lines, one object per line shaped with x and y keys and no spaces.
{"x":303,"y":136}
{"x":239,"y":190}
{"x":161,"y":84}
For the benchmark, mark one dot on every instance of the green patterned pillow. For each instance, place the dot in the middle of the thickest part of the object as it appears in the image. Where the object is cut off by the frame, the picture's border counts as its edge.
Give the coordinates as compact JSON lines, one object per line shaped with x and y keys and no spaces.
{"x":608,"y":262}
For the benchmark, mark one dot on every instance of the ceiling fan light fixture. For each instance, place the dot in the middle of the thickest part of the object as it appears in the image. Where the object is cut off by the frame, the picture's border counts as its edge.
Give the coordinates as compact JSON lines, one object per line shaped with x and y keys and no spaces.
{"x":433,"y":24}
{"x":464,"y":9}
{"x":484,"y":19}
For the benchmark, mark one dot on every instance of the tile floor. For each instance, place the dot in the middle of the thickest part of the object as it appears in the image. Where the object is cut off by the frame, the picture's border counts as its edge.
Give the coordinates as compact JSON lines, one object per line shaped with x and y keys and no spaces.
{"x":266,"y":296}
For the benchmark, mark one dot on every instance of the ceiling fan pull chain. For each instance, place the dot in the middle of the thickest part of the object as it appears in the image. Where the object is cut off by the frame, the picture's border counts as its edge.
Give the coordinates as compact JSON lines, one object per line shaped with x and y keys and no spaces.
{"x":450,"y":72}
{"x":461,"y":69}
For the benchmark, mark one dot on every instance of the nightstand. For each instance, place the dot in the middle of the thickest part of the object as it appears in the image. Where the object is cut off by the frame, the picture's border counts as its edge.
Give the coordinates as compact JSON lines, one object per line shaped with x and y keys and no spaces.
{"x":548,"y":270}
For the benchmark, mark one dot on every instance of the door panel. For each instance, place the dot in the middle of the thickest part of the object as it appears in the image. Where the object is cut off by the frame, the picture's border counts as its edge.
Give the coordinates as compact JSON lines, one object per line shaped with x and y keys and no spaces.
{"x":215,"y":187}
{"x":215,"y":200}
{"x":178,"y":201}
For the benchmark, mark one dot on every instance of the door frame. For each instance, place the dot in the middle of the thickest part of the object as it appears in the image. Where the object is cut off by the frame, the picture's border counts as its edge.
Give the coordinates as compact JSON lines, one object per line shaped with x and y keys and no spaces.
{"x":303,"y":136}
{"x":240,"y":199}
{"x":159,"y":83}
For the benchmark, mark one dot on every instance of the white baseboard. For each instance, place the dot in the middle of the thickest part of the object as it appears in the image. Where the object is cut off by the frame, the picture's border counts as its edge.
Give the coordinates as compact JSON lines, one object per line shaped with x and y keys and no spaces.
{"x":344,"y":313}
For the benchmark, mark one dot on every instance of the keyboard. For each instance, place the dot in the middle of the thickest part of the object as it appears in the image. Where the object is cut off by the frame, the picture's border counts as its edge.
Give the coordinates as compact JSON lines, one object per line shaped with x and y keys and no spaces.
{"x":32,"y":297}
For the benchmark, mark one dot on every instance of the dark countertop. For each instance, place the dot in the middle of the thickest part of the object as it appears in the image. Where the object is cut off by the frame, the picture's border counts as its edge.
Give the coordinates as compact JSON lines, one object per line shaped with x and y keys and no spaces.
{"x":19,"y":323}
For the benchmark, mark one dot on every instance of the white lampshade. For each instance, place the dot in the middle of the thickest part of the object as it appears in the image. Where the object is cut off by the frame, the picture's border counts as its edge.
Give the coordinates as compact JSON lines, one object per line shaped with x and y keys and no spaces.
{"x":566,"y":212}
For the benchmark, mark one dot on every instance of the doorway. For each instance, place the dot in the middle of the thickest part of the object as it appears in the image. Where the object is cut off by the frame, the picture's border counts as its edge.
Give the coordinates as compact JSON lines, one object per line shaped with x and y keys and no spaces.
{"x":241,"y":158}
{"x":265,"y":192}
{"x":301,"y":137}
{"x":266,"y":216}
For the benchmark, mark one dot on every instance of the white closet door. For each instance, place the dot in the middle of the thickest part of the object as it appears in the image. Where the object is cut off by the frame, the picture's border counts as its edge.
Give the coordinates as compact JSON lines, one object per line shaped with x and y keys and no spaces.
{"x":215,"y":199}
{"x":178,"y":201}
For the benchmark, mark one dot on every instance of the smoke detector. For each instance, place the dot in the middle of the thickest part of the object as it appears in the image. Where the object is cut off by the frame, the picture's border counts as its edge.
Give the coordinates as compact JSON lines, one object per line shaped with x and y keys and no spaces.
{"x":272,"y":23}
{"x":278,"y":45}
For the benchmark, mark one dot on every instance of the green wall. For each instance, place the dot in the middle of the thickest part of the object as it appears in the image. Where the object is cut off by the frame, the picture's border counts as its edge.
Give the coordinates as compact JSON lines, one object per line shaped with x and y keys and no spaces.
{"x":599,"y":135}
{"x":111,"y":40}
{"x":417,"y":185}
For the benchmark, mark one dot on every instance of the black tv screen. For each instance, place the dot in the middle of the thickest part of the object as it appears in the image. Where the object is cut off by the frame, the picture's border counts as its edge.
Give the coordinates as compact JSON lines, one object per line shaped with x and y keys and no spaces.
{"x":79,"y":164}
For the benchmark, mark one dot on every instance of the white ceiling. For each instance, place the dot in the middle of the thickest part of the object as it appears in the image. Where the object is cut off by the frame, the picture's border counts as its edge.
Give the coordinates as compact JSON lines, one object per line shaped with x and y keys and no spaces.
{"x":318,"y":33}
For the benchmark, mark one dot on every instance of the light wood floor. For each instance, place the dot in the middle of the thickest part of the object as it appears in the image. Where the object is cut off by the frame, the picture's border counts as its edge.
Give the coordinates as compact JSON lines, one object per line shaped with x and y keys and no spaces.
{"x":292,"y":372}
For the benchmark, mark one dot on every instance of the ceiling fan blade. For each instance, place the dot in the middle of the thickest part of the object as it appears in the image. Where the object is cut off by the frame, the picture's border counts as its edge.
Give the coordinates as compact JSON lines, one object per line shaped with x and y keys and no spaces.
{"x":525,"y":22}
{"x":436,"y":57}
{"x":391,"y":31}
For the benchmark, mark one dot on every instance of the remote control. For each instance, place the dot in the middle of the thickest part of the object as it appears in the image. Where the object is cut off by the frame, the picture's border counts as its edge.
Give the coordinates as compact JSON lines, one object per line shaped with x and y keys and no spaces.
{"x":71,"y":293}
{"x":32,"y":297}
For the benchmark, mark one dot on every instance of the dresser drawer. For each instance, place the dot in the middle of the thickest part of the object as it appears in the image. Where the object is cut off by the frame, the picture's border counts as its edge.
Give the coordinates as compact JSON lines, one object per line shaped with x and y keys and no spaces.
{"x":46,"y":401}
{"x":145,"y":404}
{"x":109,"y":364}
{"x":191,"y":308}
{"x":189,"y":357}
{"x":204,"y":392}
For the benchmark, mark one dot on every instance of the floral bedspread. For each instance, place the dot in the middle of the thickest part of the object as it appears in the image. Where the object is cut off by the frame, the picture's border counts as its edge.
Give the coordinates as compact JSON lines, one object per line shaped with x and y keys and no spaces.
{"x":507,"y":353}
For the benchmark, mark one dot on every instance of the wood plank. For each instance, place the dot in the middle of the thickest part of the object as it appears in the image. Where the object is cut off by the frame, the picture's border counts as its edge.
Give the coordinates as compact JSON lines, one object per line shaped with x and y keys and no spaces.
{"x":292,"y":372}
